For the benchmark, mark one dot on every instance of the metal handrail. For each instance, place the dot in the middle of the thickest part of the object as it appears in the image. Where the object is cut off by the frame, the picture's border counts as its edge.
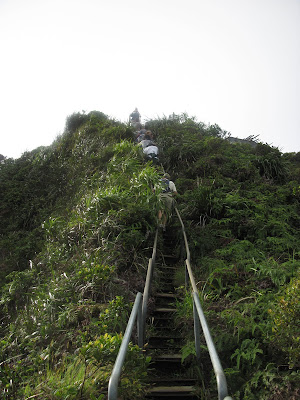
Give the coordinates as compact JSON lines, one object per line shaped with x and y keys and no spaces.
{"x":139,"y":312}
{"x":188,"y":254}
{"x":136,"y":313}
{"x":148,"y":282}
{"x":188,"y":271}
{"x":199,"y":318}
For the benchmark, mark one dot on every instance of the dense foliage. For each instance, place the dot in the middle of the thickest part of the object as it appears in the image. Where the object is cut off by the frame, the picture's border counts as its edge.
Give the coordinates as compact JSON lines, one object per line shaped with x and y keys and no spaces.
{"x":77,"y":221}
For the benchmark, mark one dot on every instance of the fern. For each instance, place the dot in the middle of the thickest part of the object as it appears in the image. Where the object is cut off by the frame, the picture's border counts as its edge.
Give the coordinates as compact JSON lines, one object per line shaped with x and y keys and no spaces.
{"x":247,"y":354}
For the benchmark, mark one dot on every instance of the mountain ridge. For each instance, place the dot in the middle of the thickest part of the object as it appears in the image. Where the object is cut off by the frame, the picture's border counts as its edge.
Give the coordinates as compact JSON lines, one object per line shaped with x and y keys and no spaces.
{"x":77,"y":222}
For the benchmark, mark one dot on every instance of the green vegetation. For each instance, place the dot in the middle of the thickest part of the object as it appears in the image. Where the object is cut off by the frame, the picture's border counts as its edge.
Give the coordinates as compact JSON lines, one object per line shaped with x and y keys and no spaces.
{"x":77,"y":225}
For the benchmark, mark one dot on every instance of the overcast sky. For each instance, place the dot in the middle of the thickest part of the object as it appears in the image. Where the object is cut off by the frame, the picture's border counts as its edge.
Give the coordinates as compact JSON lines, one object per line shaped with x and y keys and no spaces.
{"x":235,"y":63}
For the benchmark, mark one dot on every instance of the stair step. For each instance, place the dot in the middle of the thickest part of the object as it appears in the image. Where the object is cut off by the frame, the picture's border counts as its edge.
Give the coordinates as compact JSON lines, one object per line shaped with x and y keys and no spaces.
{"x":164,"y":319}
{"x":165,"y":310}
{"x":165,"y":330}
{"x":164,"y":342}
{"x":161,"y":324}
{"x":169,"y":337}
{"x":172,"y":392}
{"x":168,"y":357}
{"x":166,"y":335}
{"x":166,"y":295}
{"x":164,"y":346}
{"x":172,"y":389}
{"x":167,"y":267}
{"x":166,"y":367}
{"x":168,"y":263}
{"x":165,"y":302}
{"x":170,"y":257}
{"x":166,"y":280}
{"x":167,"y":373}
{"x":169,"y":286}
{"x":171,"y":290}
{"x":173,"y":381}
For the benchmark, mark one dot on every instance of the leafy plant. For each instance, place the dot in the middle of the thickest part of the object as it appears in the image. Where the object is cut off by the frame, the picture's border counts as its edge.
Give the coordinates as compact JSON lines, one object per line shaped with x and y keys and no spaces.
{"x":247,"y":354}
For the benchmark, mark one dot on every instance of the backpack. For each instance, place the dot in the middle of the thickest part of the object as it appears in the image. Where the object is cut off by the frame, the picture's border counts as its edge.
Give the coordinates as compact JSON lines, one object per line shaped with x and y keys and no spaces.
{"x":166,"y":186}
{"x":153,"y":157}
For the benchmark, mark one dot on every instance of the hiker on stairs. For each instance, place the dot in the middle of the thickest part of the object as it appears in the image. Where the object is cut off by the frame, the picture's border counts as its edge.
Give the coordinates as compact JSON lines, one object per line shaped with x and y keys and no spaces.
{"x":169,"y":189}
{"x":152,"y":153}
{"x":140,"y":135}
{"x":147,"y":141}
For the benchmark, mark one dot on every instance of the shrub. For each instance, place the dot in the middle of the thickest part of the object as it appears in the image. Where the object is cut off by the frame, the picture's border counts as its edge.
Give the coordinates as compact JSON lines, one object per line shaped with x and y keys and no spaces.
{"x":285,"y":314}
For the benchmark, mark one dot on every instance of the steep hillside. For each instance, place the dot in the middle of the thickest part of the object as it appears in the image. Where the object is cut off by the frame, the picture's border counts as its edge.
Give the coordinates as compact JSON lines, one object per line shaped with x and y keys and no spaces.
{"x":77,"y":226}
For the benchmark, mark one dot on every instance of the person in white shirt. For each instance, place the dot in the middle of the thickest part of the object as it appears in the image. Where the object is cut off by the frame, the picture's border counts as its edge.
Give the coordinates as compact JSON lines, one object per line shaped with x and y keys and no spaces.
{"x":151,"y":152}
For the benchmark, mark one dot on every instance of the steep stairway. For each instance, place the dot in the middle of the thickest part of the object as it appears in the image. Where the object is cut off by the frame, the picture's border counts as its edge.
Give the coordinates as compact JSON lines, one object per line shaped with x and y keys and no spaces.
{"x":167,"y":376}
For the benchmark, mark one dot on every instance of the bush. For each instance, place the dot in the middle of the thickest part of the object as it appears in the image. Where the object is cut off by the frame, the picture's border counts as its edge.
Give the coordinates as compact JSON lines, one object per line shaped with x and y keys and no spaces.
{"x":285,"y":314}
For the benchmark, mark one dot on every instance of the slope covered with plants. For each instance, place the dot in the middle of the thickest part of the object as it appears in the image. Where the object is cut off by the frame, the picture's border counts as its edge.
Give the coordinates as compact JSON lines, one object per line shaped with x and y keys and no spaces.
{"x":77,"y":225}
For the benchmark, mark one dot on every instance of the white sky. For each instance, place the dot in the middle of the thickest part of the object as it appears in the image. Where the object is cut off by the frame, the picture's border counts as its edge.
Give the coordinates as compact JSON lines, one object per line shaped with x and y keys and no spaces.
{"x":231,"y":62}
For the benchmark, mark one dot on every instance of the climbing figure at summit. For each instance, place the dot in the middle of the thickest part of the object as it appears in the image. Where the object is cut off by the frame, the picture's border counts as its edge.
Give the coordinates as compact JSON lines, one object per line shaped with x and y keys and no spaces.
{"x":166,"y":197}
{"x":135,"y":119}
{"x":135,"y":116}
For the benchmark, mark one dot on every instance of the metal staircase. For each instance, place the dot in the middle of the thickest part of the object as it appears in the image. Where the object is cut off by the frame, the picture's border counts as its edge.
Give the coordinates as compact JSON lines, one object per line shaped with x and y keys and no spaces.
{"x":167,"y":374}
